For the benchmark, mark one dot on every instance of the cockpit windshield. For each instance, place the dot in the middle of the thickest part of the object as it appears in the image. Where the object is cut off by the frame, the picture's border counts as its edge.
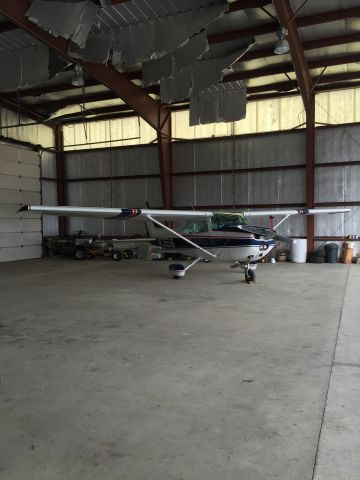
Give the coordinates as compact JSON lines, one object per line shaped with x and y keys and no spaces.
{"x":222,"y":220}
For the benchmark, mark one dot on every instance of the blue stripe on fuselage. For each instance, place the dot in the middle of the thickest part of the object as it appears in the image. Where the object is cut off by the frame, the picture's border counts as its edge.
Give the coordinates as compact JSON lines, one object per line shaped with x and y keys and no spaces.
{"x":213,"y":242}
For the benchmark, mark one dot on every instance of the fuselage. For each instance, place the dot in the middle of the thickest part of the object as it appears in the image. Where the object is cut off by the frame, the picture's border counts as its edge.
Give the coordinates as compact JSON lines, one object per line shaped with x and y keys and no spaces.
{"x":221,"y":235}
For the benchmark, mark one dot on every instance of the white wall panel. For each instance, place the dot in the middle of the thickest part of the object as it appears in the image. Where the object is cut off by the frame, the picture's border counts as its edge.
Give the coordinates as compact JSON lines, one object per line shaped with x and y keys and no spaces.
{"x":338,"y":144}
{"x":116,"y":193}
{"x":20,"y":234}
{"x":90,"y":164}
{"x":338,"y":184}
{"x":240,"y":152}
{"x":48,"y":164}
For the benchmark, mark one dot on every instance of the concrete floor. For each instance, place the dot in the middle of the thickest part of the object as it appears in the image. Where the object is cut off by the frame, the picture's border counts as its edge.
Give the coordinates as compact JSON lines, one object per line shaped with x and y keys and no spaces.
{"x":115,"y":371}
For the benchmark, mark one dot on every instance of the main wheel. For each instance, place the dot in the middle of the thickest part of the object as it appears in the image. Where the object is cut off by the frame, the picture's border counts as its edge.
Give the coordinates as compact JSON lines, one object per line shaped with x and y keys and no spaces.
{"x":250,"y":275}
{"x":80,"y":253}
{"x":128,"y":254}
{"x":117,"y":256}
{"x":177,"y":270}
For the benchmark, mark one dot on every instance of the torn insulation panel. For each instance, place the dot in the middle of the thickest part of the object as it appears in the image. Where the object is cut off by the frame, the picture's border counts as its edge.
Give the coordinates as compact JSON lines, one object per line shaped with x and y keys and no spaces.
{"x":24,"y":67}
{"x":133,"y":43}
{"x":148,"y":40}
{"x":98,"y":48}
{"x":207,"y":73}
{"x":173,"y":63}
{"x":176,"y":88}
{"x":67,"y":19}
{"x":172,"y":32}
{"x":222,"y":103}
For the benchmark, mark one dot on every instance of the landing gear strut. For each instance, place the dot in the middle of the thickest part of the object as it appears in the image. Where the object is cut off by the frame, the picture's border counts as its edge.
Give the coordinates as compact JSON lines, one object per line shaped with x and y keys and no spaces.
{"x":249,"y":270}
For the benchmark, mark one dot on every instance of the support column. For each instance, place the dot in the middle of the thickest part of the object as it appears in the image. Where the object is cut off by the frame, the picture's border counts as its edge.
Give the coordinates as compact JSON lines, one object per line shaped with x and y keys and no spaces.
{"x":60,"y":175}
{"x":165,"y":161}
{"x":310,"y":168}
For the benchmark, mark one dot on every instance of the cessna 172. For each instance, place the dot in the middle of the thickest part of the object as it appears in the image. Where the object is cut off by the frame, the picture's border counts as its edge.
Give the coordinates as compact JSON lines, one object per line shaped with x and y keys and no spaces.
{"x":203,"y":235}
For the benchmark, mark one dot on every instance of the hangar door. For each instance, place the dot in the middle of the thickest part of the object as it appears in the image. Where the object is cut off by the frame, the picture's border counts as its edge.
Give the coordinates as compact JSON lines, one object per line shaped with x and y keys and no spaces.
{"x":20,"y":237}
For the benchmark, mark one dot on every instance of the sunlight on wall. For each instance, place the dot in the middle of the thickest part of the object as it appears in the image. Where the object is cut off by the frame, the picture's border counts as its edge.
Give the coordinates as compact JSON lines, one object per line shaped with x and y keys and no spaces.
{"x":339,"y":106}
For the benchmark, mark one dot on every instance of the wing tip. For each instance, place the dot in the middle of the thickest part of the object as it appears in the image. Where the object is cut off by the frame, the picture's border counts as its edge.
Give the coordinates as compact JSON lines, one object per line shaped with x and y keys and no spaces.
{"x":24,"y":208}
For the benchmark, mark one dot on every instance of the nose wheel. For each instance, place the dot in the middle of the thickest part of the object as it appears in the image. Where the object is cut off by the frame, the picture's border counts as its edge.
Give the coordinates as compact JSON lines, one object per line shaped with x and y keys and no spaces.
{"x":249,"y":270}
{"x":250,"y":275}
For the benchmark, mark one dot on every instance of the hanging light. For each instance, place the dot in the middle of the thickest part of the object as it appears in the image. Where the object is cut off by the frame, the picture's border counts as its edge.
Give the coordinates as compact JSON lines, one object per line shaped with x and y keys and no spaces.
{"x":282,"y":45}
{"x":78,"y":77}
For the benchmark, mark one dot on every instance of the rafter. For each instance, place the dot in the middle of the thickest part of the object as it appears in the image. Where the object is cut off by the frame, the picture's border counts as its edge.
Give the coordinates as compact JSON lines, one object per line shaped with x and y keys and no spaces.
{"x":286,"y":18}
{"x":271,"y":27}
{"x":242,"y":75}
{"x":243,"y":4}
{"x":288,"y":67}
{"x":114,"y":112}
{"x":22,"y":110}
{"x":148,"y":108}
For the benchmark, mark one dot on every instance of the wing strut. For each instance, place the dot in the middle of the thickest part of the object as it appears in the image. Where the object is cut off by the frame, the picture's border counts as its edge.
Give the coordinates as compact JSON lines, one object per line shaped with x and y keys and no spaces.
{"x":281,"y":221}
{"x":180,"y":236}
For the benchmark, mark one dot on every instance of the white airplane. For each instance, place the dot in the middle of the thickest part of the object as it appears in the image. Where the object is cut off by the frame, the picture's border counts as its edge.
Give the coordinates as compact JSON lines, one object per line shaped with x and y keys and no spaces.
{"x":222,"y":236}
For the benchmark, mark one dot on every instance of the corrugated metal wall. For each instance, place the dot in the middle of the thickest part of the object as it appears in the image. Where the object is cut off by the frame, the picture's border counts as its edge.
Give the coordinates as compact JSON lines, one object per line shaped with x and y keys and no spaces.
{"x":141,"y":167}
{"x":240,"y":189}
{"x":20,"y":238}
{"x":340,"y":183}
{"x":245,"y":171}
{"x":49,"y":192}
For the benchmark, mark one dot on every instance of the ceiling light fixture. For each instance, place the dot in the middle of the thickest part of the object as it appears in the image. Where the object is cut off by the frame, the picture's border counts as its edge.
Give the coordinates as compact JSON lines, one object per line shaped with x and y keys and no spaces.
{"x":282,"y":45}
{"x":78,"y":77}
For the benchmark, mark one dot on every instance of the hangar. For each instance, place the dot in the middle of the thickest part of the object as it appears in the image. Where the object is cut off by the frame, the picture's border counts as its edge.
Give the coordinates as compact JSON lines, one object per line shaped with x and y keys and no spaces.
{"x":118,"y":370}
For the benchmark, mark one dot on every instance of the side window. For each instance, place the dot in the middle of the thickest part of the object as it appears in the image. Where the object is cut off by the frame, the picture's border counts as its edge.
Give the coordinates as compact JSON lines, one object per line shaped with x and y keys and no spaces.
{"x":195,"y":227}
{"x":219,"y":222}
{"x":216,"y":225}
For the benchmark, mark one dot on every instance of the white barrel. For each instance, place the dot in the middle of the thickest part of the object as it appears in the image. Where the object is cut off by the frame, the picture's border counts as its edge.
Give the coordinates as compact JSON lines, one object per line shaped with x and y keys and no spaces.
{"x":298,"y":250}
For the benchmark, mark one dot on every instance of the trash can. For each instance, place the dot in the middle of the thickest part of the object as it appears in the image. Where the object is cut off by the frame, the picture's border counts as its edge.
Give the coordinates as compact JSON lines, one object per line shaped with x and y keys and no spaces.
{"x":331,"y":252}
{"x":298,"y":250}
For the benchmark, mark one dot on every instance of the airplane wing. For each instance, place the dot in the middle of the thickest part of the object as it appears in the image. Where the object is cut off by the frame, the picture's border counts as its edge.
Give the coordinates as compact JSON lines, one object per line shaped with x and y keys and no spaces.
{"x":115,"y":213}
{"x":299,"y":211}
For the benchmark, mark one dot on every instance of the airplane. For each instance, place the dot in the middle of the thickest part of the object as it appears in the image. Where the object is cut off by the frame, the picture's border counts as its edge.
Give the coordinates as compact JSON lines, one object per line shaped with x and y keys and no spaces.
{"x":203,"y":235}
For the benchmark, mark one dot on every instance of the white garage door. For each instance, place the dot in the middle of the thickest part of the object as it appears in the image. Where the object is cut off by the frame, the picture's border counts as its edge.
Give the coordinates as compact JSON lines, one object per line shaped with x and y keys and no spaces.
{"x":20,"y":238}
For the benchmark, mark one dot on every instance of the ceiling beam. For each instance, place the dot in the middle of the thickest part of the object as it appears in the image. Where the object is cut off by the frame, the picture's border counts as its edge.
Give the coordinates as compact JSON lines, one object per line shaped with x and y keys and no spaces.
{"x":23,"y":110}
{"x":93,"y":112}
{"x":271,"y":27}
{"x":243,"y":4}
{"x":148,"y":108}
{"x":287,"y":19}
{"x":292,"y":84}
{"x":251,"y":55}
{"x":110,"y":113}
{"x":7,"y":27}
{"x":309,"y":45}
{"x":288,"y":67}
{"x":38,"y":91}
{"x":242,"y":75}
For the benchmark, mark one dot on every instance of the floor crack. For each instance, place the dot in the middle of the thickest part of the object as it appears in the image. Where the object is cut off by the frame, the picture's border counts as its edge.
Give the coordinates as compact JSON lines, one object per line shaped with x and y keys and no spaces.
{"x":330,"y":375}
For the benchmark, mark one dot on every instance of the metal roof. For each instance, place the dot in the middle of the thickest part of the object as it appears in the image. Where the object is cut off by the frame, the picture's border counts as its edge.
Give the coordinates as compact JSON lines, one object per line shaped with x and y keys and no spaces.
{"x":340,"y":57}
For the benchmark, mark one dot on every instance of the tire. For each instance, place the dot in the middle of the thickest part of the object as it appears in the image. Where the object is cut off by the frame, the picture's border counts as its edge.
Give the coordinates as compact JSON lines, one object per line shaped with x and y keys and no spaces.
{"x":80,"y":254}
{"x":128,"y":254}
{"x":250,"y":276}
{"x":117,"y":256}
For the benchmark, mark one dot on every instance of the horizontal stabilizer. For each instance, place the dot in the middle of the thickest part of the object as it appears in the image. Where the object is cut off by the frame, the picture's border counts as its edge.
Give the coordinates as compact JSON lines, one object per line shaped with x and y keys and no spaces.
{"x":281,"y":238}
